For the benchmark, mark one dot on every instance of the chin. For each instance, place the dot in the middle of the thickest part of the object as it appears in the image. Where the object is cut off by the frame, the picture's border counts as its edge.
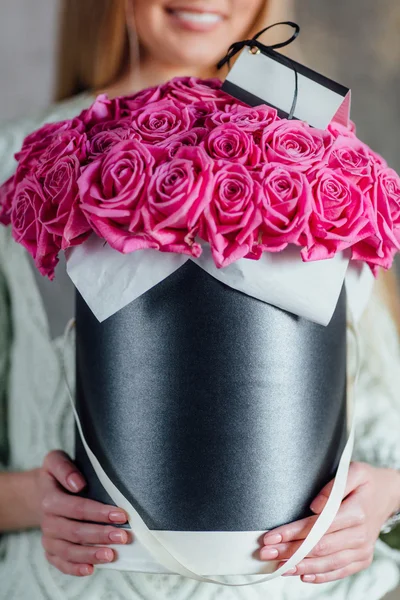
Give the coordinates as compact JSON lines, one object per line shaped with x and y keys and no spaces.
{"x":196,"y":60}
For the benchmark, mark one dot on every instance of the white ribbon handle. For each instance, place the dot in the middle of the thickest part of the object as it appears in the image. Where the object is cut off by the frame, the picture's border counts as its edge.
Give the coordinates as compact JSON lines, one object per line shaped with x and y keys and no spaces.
{"x":165,"y":557}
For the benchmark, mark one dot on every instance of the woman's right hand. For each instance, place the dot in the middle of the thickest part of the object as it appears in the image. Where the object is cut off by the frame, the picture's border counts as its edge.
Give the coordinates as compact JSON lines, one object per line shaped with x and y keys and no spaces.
{"x":67,"y":521}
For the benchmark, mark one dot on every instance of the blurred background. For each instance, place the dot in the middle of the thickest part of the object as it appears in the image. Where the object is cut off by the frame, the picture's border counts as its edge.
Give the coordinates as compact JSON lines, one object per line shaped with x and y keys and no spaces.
{"x":356,"y":42}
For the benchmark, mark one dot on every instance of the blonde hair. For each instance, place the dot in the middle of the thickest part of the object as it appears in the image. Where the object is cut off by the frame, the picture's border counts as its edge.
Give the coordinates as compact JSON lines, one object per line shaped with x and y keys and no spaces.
{"x":93,"y":47}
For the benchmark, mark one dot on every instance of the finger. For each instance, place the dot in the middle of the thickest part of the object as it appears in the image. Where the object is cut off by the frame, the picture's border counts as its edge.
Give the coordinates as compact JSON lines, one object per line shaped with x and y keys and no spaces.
{"x":69,"y":568}
{"x":358,"y":474}
{"x":336,"y":575}
{"x":333,"y":562}
{"x":297,"y":530}
{"x":59,"y":465}
{"x":349,"y":515}
{"x":74,"y":553}
{"x":352,"y":538}
{"x":82,"y":533}
{"x":60,"y":504}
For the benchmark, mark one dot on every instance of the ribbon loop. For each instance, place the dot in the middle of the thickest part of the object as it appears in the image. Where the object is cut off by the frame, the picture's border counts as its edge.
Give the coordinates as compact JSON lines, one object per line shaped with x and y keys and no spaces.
{"x":284,"y":43}
{"x":236,"y":47}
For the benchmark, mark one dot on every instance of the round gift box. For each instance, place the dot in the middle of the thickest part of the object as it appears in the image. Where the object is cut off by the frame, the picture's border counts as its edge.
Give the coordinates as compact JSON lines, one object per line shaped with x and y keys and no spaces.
{"x":217,"y":416}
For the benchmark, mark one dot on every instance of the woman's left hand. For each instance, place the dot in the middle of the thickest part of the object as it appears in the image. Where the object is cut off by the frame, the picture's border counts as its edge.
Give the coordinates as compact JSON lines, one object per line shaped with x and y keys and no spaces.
{"x":372,"y":495}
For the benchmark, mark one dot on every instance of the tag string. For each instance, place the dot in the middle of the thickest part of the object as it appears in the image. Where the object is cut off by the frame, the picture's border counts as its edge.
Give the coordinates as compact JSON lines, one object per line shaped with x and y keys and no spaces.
{"x":269,"y":50}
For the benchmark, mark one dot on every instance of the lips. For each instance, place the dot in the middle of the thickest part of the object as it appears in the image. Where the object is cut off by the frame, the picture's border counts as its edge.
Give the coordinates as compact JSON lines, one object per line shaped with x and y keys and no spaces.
{"x":195,"y":18}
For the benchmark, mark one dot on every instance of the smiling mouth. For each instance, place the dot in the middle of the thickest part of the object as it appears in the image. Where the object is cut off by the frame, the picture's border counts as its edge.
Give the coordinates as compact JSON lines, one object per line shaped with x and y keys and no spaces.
{"x":195,"y":18}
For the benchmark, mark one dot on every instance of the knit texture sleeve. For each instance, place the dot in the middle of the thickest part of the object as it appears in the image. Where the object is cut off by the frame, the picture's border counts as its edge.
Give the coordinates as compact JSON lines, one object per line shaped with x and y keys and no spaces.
{"x":378,"y":393}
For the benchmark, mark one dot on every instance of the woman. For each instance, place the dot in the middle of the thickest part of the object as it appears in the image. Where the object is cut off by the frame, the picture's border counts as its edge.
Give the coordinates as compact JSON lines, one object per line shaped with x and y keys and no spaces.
{"x":176,"y":37}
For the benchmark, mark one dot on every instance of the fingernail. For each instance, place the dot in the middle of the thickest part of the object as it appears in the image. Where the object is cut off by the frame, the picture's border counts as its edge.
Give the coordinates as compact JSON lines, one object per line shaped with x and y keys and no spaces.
{"x":317,"y":504}
{"x":117,"y":516}
{"x":308,"y":578}
{"x":118,"y":537}
{"x":290,"y":572}
{"x":105,"y":555}
{"x":85,"y":571}
{"x":273,"y":538}
{"x":269,"y":553}
{"x":76,"y":482}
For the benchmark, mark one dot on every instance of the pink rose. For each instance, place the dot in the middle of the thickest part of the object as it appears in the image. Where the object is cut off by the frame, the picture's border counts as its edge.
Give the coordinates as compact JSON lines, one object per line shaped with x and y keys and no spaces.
{"x":37,"y":142}
{"x":337,"y":129}
{"x":384,"y":195}
{"x":179,"y":140}
{"x":67,"y":143}
{"x":341,"y":216}
{"x":193,"y":89}
{"x":50,"y":196}
{"x":102,"y":109}
{"x":340,"y":131}
{"x":178,"y":194}
{"x":161,"y":119}
{"x":295,"y":143}
{"x":387,"y":190}
{"x":29,"y":231}
{"x":60,"y":212}
{"x":286,"y":204}
{"x":201,"y":111}
{"x":251,"y":120}
{"x":57,"y":201}
{"x":229,"y":142}
{"x":377,"y":158}
{"x":102,"y":137}
{"x":374,"y":253}
{"x":352,"y":158}
{"x":57,"y":172}
{"x":7,"y":191}
{"x":129,"y":104}
{"x":113,"y":189}
{"x":231,"y":220}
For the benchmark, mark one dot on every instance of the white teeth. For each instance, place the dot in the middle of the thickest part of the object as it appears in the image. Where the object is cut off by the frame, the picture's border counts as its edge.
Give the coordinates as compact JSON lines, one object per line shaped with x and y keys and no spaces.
{"x":195,"y":17}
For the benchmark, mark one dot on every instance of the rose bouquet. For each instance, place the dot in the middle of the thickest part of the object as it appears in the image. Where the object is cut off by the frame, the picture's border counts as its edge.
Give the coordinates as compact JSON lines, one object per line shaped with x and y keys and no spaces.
{"x":200,"y":407}
{"x":183,"y":163}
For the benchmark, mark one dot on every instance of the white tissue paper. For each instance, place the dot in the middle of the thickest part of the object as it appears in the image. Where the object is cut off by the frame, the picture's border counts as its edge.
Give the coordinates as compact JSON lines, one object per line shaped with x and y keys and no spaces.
{"x":109,"y":280}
